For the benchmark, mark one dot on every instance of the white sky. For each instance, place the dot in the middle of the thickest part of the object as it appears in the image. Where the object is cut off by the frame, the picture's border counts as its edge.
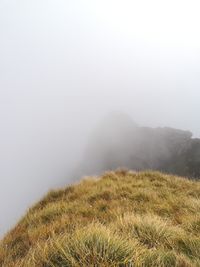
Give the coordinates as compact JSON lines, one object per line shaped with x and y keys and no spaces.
{"x":65,"y":64}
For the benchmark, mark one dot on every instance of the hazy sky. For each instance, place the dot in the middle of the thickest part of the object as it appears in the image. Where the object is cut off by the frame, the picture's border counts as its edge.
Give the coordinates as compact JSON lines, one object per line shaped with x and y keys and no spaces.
{"x":65,"y":64}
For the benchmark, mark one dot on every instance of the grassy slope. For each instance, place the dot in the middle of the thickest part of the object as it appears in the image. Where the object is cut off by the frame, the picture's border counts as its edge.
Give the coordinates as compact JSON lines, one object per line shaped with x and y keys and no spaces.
{"x":120,"y":219}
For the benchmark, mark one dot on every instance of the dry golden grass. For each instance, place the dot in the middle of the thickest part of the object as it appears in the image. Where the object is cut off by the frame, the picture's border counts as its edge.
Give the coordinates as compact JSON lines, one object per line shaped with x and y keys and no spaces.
{"x":122,"y":219}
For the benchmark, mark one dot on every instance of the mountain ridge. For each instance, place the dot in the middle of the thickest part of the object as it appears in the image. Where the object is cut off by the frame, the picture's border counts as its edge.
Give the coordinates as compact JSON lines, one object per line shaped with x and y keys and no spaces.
{"x":120,"y":142}
{"x":121,"y":218}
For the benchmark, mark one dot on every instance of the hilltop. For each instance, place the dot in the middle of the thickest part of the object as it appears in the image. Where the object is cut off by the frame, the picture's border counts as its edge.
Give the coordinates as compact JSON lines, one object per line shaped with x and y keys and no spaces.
{"x":121,"y":218}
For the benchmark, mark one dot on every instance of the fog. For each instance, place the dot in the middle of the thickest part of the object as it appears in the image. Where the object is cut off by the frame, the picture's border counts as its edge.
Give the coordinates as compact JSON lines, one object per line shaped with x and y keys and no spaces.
{"x":66,"y":65}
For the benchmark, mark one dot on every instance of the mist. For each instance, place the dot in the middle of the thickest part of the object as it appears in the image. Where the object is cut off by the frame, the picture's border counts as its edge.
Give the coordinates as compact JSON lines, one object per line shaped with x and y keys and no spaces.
{"x":67,"y":65}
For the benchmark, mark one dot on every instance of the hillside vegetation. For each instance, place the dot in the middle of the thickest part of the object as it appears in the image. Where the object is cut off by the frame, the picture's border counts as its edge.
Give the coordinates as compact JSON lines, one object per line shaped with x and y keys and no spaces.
{"x":122,"y":218}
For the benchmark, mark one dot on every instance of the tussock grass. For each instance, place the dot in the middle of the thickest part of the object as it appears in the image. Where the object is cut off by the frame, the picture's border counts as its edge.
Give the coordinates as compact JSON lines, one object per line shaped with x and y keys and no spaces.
{"x":150,"y":230}
{"x":88,"y":246}
{"x":121,"y":219}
